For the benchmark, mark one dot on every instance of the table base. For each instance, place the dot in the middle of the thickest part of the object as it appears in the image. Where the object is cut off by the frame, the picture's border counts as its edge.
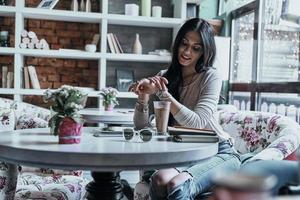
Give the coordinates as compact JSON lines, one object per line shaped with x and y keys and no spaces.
{"x":106,"y":186}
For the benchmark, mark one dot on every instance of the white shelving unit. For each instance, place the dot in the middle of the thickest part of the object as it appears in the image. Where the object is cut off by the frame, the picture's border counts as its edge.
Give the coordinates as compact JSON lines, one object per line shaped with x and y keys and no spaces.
{"x":21,"y":13}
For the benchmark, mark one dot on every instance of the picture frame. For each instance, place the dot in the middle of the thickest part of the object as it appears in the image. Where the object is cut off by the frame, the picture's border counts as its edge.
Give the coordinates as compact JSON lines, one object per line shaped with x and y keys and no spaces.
{"x":47,"y":4}
{"x":124,"y":79}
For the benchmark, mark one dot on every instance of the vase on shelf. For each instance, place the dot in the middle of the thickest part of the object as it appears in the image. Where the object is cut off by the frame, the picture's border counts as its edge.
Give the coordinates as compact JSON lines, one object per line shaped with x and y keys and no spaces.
{"x":137,"y":46}
{"x":74,"y":5}
{"x":88,"y":6}
{"x":146,"y":8}
{"x":69,"y":131}
{"x":82,"y":5}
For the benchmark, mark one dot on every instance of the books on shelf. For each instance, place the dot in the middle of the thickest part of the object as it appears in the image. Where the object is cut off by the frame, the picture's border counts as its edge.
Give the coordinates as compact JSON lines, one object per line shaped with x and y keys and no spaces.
{"x":26,"y":78}
{"x":7,"y":78}
{"x":10,"y":79}
{"x":114,"y":44}
{"x":4,"y":76}
{"x":33,"y":77}
{"x":183,"y":134}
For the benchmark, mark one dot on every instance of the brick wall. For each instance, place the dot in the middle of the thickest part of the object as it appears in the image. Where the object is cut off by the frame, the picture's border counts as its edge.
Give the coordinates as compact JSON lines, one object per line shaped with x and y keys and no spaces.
{"x":53,"y":73}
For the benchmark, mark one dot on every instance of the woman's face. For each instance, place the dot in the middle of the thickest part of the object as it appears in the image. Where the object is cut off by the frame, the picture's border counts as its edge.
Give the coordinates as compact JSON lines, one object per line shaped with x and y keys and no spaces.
{"x":190,"y":49}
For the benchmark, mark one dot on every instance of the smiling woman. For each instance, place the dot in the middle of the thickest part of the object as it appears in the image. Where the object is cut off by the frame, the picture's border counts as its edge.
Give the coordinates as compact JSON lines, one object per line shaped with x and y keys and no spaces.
{"x":192,"y":86}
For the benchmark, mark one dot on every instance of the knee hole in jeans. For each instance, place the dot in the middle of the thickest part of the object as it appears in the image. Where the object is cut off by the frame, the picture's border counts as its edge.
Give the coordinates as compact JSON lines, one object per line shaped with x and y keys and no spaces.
{"x":158,"y":180}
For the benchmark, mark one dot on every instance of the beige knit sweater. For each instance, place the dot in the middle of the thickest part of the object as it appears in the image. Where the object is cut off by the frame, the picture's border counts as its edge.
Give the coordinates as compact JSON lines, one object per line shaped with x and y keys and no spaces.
{"x":199,"y":104}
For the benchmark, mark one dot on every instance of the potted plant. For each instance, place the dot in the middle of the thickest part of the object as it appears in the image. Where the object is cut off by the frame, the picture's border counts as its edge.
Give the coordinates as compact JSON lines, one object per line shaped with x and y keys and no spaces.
{"x":66,"y":121}
{"x":109,"y":98}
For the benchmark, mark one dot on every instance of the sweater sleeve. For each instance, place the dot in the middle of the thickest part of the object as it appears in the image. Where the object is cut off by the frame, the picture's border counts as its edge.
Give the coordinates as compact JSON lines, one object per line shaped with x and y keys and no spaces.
{"x":206,"y":104}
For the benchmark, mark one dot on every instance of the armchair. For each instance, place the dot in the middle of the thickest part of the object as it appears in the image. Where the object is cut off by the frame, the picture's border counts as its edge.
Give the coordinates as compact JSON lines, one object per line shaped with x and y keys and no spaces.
{"x":257,"y":136}
{"x":34,"y":183}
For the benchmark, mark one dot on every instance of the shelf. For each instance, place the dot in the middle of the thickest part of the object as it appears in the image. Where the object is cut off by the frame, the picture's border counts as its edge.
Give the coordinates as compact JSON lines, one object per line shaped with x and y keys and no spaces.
{"x":143,"y":21}
{"x":7,"y":11}
{"x":72,"y":54}
{"x":62,"y":15}
{"x":40,"y":92}
{"x":7,"y":51}
{"x":137,"y":57}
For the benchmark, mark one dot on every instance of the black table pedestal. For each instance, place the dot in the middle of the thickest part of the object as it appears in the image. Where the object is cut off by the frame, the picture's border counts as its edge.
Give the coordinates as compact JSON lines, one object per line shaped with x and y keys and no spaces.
{"x":106,"y":186}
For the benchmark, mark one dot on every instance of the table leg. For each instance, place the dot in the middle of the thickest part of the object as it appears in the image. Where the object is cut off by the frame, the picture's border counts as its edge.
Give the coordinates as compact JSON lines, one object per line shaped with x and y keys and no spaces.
{"x":106,"y":186}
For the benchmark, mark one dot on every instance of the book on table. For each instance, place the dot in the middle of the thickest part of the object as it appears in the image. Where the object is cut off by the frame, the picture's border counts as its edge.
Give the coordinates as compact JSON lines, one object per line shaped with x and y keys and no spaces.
{"x":183,"y":134}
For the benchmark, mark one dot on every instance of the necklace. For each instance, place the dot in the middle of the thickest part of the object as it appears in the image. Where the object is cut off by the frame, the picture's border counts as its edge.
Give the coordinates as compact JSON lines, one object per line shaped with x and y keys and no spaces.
{"x":186,"y":82}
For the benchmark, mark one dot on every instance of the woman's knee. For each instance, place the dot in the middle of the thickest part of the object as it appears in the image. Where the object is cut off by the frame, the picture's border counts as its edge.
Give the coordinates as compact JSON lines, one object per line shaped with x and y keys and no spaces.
{"x":162,"y":177}
{"x":178,"y":180}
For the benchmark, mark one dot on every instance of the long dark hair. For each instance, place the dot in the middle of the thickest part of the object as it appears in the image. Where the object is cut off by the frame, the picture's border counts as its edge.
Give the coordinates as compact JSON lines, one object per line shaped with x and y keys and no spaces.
{"x":174,"y":72}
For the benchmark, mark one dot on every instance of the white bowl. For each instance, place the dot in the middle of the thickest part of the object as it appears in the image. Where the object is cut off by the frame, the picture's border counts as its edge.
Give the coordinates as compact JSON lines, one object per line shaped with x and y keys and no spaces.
{"x":91,"y":47}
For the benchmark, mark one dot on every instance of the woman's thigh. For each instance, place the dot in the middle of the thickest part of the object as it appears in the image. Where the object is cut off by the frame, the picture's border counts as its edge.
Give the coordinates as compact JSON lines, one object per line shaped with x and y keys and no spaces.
{"x":203,"y":172}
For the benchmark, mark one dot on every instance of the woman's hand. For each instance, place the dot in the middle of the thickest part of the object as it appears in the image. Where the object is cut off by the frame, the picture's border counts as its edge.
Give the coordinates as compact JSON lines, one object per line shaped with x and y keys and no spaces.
{"x":148,"y":85}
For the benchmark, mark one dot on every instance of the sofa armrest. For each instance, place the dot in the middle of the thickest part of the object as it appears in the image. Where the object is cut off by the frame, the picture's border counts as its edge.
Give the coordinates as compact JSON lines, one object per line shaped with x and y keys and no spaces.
{"x":286,"y":143}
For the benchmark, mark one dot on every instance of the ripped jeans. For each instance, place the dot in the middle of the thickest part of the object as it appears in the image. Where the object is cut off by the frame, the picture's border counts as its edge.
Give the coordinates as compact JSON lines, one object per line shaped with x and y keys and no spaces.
{"x":201,"y":181}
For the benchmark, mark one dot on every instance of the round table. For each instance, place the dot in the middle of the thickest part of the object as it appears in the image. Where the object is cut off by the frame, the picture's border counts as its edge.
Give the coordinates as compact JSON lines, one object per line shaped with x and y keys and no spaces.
{"x":105,"y":156}
{"x":117,"y":116}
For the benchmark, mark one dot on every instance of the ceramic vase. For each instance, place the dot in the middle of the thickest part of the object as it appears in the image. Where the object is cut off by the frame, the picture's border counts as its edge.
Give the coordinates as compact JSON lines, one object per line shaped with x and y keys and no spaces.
{"x":74,"y":5}
{"x":137,"y":46}
{"x":69,"y":131}
{"x":109,"y":107}
{"x":82,"y":5}
{"x":88,"y":6}
{"x":146,"y":8}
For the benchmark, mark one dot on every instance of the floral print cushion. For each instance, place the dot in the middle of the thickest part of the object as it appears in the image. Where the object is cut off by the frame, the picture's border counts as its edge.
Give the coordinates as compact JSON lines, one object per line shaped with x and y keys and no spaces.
{"x":48,"y":171}
{"x":56,"y":187}
{"x":7,"y":119}
{"x":8,"y":181}
{"x":25,"y":115}
{"x":27,"y":121}
{"x":268,"y":135}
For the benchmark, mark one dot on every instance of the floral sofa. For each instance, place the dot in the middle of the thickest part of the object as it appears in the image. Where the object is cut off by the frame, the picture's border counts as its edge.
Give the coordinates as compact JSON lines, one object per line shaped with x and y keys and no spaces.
{"x":28,"y":182}
{"x":264,"y":136}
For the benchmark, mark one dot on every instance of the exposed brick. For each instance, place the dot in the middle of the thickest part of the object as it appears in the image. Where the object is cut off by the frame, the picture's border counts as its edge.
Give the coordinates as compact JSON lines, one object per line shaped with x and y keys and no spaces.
{"x":48,"y":24}
{"x":32,"y":61}
{"x":46,"y":70}
{"x":61,"y":25}
{"x":57,"y":84}
{"x":82,"y":64}
{"x":45,"y":85}
{"x":64,"y":41}
{"x":55,"y":46}
{"x":6,"y":60}
{"x":53,"y":78}
{"x":52,"y":39}
{"x":72,"y":26}
{"x":69,"y":63}
{"x":33,"y":24}
{"x":68,"y":33}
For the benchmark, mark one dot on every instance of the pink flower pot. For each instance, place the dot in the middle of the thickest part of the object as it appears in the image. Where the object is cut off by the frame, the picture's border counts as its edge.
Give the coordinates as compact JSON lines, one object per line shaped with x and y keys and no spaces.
{"x":69,"y":131}
{"x":109,"y":107}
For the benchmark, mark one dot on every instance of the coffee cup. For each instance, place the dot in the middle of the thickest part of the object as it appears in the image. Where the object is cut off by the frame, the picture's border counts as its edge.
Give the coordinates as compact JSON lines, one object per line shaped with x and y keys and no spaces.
{"x":161,"y":111}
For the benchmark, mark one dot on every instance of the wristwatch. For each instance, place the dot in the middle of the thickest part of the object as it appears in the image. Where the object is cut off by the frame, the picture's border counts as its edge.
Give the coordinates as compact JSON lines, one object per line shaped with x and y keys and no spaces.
{"x":163,"y":95}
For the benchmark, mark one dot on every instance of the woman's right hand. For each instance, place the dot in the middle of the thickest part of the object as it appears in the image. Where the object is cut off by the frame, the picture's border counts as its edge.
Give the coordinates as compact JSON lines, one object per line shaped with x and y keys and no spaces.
{"x":148,"y":85}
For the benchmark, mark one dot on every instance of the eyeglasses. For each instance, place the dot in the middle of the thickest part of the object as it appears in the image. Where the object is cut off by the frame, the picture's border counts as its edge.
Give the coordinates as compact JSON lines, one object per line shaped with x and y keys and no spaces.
{"x":143,"y":135}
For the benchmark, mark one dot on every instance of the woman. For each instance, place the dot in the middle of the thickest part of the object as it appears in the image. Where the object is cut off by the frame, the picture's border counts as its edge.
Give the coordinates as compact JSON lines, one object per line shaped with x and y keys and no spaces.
{"x":192,"y":86}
